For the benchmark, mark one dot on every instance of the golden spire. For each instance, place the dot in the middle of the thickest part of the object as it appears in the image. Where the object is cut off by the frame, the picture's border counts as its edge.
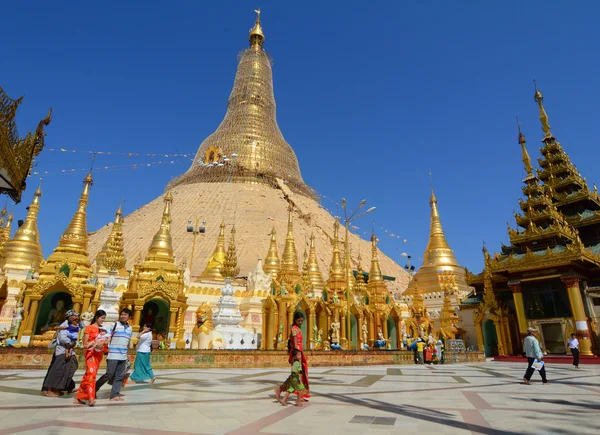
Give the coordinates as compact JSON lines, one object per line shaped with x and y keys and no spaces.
{"x":539,"y":98}
{"x":272,"y":265}
{"x":305,"y":276}
{"x":524,"y":153}
{"x":438,"y":252}
{"x":375,"y":274}
{"x":256,"y":37}
{"x":289,"y":260}
{"x":114,"y":257}
{"x":230,"y":268}
{"x":314,"y":273}
{"x":116,"y":229}
{"x":248,"y":146}
{"x":7,"y":228}
{"x":161,"y":248}
{"x":213,"y":268}
{"x":336,"y":269}
{"x":24,"y":250}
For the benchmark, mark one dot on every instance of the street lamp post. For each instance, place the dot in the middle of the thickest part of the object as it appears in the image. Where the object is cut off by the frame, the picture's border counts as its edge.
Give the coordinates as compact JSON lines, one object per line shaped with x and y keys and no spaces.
{"x":347,"y":220}
{"x":195,"y":230}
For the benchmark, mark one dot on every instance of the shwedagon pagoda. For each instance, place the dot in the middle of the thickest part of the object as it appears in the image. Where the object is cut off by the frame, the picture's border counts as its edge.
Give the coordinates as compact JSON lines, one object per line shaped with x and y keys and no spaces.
{"x":237,"y":285}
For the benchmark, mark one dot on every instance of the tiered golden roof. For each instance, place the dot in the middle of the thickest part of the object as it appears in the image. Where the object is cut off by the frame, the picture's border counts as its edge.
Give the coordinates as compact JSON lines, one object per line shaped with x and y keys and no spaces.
{"x":16,"y":152}
{"x":272,"y":264}
{"x":115,"y":234}
{"x":248,"y":146}
{"x":289,"y":261}
{"x":24,"y":250}
{"x":114,"y":258}
{"x":215,"y":264}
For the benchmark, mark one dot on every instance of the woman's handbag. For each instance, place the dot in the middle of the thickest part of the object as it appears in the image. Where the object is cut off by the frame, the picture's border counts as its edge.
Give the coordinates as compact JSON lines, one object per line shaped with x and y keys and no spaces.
{"x":54,"y":342}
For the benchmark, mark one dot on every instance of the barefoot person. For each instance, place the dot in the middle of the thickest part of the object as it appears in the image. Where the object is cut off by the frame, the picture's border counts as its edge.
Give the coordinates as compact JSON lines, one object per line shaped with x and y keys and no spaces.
{"x":533,"y":352}
{"x":293,"y":384}
{"x":116,"y":361}
{"x":142,"y":369}
{"x":94,"y":342}
{"x":295,"y":343}
{"x":59,"y":378}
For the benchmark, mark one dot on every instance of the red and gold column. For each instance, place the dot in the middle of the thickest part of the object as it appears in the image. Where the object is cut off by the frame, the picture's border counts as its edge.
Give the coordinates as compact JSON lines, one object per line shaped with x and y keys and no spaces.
{"x":581,"y":324}
{"x":517,"y":293}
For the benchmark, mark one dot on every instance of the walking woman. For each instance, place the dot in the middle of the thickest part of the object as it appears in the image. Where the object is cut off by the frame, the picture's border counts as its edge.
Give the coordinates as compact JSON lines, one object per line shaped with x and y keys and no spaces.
{"x":142,"y":370}
{"x":94,"y":342}
{"x":295,"y":343}
{"x":59,"y":378}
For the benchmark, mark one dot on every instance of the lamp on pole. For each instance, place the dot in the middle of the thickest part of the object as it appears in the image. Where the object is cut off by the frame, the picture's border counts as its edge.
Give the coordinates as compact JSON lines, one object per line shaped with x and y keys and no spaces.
{"x":195,"y":230}
{"x":347,"y":220}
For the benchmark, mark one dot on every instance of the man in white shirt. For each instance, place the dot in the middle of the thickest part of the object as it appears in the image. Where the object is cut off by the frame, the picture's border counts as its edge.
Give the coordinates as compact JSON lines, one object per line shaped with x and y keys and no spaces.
{"x":574,"y":346}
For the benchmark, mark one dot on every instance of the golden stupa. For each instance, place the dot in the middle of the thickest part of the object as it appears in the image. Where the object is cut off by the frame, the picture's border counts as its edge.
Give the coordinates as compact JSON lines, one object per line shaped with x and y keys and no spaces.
{"x":246,"y":174}
{"x":440,"y":272}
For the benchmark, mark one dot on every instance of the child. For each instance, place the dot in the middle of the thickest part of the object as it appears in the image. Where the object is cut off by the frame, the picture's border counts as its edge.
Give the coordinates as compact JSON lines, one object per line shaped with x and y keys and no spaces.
{"x":293,"y":384}
{"x":100,"y":341}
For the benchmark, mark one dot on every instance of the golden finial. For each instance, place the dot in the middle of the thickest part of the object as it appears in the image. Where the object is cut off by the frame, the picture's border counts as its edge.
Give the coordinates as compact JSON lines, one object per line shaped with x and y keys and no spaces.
{"x":257,"y":37}
{"x":7,"y":228}
{"x":314,"y":273}
{"x":24,"y":249}
{"x":114,"y":257}
{"x":161,"y":248}
{"x":272,"y":265}
{"x":360,"y":276}
{"x":438,"y":252}
{"x":289,"y":260}
{"x":524,"y":153}
{"x":336,"y":268}
{"x":305,"y":276}
{"x":213,"y":268}
{"x":117,"y":229}
{"x":539,"y":98}
{"x":230,"y":268}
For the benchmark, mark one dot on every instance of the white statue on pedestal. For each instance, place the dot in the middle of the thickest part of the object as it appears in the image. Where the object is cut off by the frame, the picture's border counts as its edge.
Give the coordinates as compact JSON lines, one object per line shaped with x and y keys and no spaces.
{"x":109,"y":299}
{"x":259,"y":280}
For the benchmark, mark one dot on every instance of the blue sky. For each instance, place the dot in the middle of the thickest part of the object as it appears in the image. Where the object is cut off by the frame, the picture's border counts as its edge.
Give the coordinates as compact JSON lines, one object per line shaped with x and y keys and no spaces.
{"x":370,"y":96}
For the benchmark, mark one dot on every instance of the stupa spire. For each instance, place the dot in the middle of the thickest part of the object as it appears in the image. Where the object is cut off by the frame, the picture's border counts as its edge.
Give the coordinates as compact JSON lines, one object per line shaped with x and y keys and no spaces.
{"x":248,"y":147}
{"x":314,"y":273}
{"x":72,"y":247}
{"x":215,"y":264}
{"x":161,"y":248}
{"x":438,"y":252}
{"x":375,"y":274}
{"x":24,"y":249}
{"x":289,"y":260}
{"x":539,"y":99}
{"x":524,"y":153}
{"x":272,"y":263}
{"x":230,"y":268}
{"x":116,"y":231}
{"x":256,"y":36}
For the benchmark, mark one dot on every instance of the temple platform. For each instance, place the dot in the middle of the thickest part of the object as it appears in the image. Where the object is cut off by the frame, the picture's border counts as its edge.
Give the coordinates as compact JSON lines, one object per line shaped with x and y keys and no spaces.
{"x":551,"y":359}
{"x":39,"y":358}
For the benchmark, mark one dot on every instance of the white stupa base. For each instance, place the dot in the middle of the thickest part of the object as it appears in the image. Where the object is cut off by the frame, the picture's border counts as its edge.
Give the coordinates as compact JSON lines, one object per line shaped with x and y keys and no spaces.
{"x":233,"y":338}
{"x":108,"y":303}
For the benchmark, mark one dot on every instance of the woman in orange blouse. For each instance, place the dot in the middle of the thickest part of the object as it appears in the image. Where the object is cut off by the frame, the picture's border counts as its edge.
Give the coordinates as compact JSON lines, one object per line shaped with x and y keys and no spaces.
{"x":94,"y":345}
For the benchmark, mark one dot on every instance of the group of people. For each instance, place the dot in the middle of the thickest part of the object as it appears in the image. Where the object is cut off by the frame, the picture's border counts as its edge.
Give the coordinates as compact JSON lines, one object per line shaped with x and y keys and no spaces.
{"x":98,"y":341}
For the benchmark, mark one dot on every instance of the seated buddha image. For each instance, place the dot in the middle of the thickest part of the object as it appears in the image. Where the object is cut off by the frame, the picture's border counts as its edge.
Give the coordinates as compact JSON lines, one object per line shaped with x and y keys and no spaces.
{"x":57,"y":314}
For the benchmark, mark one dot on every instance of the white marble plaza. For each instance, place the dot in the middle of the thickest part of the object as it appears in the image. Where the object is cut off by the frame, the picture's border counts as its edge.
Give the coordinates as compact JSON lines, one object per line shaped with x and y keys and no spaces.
{"x":485,"y":398}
